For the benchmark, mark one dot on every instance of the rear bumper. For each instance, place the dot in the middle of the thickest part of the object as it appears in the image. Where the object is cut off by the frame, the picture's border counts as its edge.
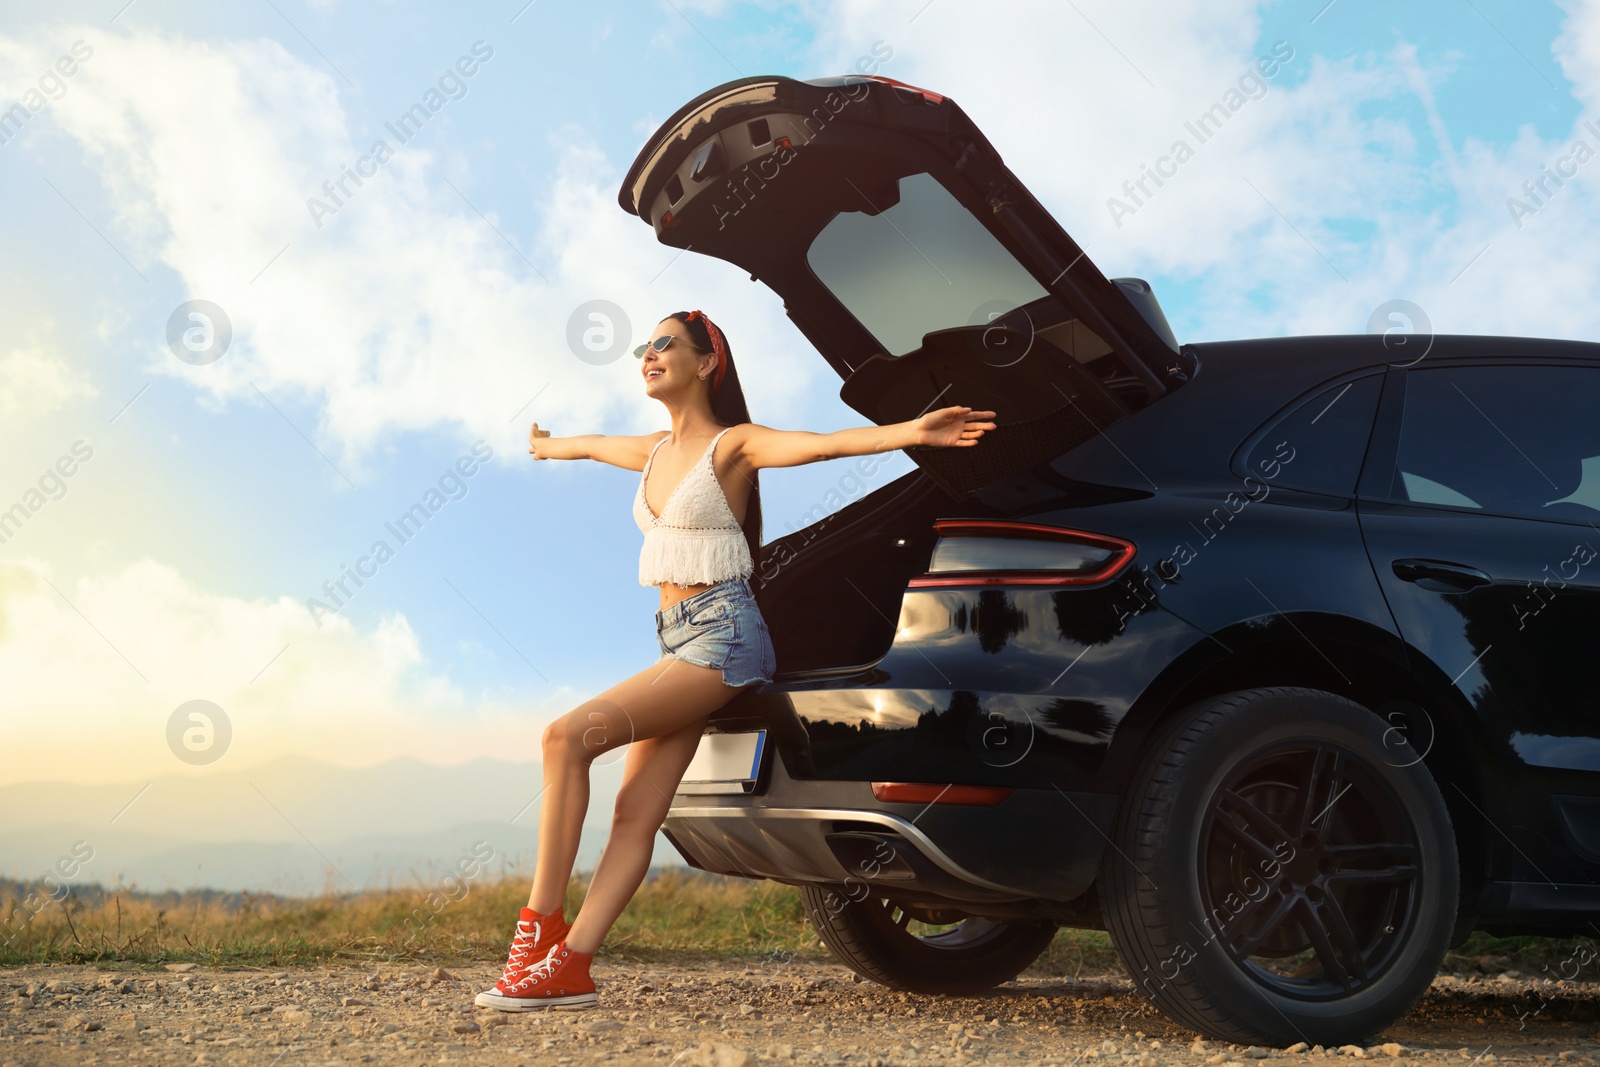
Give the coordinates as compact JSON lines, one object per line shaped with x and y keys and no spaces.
{"x":1039,"y":846}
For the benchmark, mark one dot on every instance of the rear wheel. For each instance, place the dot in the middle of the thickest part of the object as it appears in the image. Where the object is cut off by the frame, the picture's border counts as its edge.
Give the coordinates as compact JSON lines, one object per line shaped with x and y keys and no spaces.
{"x":920,"y":949}
{"x":1285,"y":870}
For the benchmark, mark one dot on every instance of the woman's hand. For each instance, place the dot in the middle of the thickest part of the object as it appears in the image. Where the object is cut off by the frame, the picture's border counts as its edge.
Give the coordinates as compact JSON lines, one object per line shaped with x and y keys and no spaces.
{"x":535,"y":435}
{"x":953,"y":427}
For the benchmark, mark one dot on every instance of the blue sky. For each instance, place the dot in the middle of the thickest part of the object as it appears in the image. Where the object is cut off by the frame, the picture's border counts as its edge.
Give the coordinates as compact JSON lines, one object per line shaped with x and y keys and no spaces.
{"x":372,"y":350}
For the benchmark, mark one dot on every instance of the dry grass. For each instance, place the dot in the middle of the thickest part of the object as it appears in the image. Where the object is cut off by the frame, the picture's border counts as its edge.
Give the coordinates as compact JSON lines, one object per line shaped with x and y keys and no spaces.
{"x":676,"y":913}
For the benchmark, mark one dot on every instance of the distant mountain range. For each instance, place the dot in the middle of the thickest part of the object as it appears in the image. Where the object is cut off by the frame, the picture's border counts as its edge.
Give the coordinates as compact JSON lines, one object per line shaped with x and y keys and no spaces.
{"x":293,"y":826}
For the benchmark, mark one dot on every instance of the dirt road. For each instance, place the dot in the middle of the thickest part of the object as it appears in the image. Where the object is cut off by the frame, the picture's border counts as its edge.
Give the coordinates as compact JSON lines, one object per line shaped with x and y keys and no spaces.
{"x":723,"y":1014}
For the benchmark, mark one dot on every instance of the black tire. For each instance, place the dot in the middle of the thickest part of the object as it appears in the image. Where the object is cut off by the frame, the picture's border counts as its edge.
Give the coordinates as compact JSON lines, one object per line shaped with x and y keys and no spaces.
{"x":1239,"y":810}
{"x":871,"y":936}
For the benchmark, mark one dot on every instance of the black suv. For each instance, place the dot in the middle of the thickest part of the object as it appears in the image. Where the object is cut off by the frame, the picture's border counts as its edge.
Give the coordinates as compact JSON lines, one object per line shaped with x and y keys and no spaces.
{"x":1277,"y":659}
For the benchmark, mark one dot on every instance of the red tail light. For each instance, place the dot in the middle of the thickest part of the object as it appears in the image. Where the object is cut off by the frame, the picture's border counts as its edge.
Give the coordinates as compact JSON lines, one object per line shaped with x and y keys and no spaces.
{"x":983,"y":796}
{"x":997,"y":552}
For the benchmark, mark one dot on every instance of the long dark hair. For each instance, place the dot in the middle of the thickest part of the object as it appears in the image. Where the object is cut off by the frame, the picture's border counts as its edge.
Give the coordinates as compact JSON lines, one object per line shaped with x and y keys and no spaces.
{"x":729,"y":408}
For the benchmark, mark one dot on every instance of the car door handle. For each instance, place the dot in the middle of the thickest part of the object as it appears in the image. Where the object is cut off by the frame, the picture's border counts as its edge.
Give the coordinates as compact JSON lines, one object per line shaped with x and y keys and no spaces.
{"x":1438,"y":575}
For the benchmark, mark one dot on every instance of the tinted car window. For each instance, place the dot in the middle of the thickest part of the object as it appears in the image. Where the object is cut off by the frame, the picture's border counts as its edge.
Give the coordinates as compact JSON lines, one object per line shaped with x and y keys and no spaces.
{"x":1319,"y":444}
{"x":1510,"y":440}
{"x":923,"y":264}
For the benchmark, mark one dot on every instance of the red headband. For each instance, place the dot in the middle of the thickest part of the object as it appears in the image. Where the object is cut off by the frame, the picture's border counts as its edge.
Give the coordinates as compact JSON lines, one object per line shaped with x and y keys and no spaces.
{"x":717,"y":346}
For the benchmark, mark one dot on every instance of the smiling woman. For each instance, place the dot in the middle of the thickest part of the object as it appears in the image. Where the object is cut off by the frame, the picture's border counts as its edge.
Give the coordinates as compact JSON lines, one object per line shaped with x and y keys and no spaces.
{"x":702,"y":536}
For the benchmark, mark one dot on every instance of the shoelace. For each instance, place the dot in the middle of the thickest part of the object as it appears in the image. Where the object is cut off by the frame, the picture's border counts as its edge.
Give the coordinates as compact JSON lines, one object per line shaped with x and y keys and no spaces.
{"x":541,"y":970}
{"x":521,"y":946}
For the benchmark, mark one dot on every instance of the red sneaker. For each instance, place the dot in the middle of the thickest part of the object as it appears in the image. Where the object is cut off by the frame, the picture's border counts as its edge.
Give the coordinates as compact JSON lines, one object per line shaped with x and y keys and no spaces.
{"x":560,"y":980}
{"x":536,"y":935}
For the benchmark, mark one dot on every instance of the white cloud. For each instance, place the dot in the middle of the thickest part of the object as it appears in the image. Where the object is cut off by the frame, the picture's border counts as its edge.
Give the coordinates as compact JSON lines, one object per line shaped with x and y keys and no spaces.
{"x":1074,"y":116}
{"x":100,"y":665}
{"x":405,"y":310}
{"x":1577,"y":49}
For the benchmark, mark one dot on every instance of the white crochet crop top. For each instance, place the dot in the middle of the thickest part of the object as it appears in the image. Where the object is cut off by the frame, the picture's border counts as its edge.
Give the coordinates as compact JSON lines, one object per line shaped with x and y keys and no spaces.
{"x":696,"y":539}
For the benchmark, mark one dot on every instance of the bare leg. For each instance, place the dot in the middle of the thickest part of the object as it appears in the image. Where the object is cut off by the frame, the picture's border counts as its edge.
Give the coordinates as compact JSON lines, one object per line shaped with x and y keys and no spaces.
{"x":565,"y":801}
{"x":659,"y":700}
{"x":654,"y":769}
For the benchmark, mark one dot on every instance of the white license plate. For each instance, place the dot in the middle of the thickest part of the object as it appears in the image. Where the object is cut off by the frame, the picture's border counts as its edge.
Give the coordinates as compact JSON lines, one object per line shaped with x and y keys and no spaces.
{"x":725,"y":763}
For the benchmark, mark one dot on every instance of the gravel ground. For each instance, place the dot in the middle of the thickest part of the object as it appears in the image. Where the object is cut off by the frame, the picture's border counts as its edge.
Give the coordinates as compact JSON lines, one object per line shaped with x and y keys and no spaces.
{"x":717,"y":1014}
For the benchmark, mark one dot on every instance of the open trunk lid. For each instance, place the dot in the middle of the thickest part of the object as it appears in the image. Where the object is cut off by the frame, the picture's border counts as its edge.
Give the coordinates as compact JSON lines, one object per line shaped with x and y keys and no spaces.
{"x":912,"y":259}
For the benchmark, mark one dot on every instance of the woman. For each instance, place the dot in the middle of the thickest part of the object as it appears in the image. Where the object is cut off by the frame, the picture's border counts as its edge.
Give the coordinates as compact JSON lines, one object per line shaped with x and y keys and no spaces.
{"x":712,"y":637}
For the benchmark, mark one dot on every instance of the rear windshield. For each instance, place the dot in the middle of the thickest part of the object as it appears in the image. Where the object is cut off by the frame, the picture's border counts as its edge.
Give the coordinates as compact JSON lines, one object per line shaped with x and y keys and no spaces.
{"x":923,"y":264}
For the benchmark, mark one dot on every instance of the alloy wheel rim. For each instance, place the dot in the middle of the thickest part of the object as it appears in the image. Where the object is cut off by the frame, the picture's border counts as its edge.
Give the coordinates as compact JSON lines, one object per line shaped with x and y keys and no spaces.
{"x":1309,"y":870}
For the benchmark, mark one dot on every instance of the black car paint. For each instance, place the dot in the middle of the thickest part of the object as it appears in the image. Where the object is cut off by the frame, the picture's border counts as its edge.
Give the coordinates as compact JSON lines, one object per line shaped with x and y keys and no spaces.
{"x":1236,"y":582}
{"x":1244,"y":576}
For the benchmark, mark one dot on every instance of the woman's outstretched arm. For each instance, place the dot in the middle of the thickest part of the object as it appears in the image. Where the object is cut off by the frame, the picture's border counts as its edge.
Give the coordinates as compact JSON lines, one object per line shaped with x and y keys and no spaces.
{"x":626,"y":452}
{"x":762,"y":446}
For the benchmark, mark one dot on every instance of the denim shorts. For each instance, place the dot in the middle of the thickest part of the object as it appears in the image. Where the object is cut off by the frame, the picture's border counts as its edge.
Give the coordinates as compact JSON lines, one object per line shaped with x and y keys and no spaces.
{"x":720,"y":627}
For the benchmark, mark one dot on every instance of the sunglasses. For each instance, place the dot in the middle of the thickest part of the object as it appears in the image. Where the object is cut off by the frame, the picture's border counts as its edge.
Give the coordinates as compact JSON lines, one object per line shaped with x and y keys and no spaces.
{"x":660,"y":344}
